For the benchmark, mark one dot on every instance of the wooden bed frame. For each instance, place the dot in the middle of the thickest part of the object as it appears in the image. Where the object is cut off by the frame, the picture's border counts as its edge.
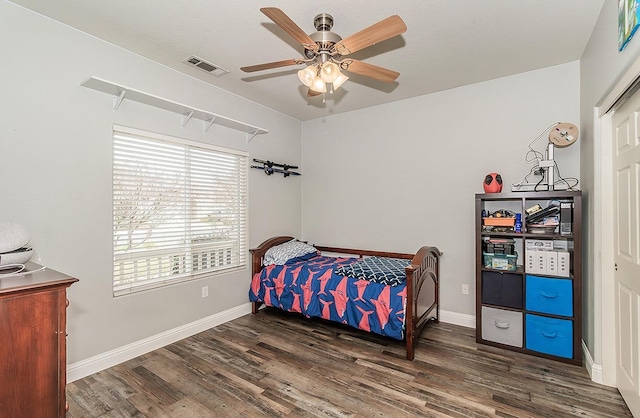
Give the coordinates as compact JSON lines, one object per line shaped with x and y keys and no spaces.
{"x":423,"y":290}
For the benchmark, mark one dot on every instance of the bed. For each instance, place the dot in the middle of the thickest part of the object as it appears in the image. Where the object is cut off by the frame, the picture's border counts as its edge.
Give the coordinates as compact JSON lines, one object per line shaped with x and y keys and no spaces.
{"x":391,"y":294}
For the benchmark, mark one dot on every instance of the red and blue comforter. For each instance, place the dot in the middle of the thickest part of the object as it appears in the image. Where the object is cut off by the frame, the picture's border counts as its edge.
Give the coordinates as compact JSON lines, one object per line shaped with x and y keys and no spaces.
{"x":311,"y":287}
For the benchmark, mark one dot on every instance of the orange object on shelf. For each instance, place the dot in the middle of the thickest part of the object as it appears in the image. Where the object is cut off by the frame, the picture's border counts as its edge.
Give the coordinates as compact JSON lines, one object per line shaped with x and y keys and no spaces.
{"x":504,"y":221}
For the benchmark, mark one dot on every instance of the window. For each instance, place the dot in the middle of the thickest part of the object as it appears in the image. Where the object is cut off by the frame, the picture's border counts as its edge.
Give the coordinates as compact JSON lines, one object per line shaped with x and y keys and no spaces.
{"x":179,"y":210}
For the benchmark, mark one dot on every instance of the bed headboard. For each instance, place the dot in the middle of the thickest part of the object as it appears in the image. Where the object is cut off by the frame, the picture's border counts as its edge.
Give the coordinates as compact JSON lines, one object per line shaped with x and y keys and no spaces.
{"x":258,"y":253}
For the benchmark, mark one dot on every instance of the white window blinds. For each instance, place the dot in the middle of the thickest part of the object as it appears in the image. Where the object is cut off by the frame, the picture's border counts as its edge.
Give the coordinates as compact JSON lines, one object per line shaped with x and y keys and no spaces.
{"x":179,"y":210}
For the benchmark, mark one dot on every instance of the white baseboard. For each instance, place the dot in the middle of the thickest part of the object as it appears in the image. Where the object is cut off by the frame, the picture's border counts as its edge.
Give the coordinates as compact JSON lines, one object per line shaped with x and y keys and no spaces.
{"x":595,"y":370}
{"x":119,"y":355}
{"x":455,"y":318}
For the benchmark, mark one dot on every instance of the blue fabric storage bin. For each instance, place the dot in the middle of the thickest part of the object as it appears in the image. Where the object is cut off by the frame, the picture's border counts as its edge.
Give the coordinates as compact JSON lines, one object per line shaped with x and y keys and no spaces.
{"x":548,"y":295}
{"x":549,"y":335}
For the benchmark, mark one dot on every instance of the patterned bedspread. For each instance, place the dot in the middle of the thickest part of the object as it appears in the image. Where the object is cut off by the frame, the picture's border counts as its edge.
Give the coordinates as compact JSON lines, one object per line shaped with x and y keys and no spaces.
{"x":313,"y":289}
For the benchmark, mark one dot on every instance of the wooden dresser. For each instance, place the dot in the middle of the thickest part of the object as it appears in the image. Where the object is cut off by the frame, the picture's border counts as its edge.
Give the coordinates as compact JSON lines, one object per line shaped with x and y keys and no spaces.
{"x":33,"y":356}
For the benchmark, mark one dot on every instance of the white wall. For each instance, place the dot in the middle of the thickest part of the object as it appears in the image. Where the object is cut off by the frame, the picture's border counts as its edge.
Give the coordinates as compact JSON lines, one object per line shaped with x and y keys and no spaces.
{"x":600,"y":67}
{"x":427,"y":156}
{"x":55,"y":143}
{"x":398,"y":176}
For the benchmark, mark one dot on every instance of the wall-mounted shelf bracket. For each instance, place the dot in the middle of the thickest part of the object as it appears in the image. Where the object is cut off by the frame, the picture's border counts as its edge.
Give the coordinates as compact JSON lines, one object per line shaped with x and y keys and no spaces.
{"x":119,"y":92}
{"x":252,"y":135}
{"x":186,"y":118}
{"x":208,"y":123}
{"x":117,"y":99}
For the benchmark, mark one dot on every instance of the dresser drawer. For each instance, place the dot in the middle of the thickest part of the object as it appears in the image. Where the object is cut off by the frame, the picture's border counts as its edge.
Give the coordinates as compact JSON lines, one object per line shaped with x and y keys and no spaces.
{"x":549,"y":335}
{"x":548,"y":295}
{"x":502,"y":326}
{"x":504,"y":289}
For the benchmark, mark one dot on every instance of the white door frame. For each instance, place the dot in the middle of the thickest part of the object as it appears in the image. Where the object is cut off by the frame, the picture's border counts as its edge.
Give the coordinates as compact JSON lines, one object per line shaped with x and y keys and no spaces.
{"x":602,"y":206}
{"x":604,"y":315}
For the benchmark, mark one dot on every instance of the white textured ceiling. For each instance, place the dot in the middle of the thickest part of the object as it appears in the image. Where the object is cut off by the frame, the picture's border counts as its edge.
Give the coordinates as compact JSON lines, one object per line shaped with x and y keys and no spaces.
{"x":448,"y":43}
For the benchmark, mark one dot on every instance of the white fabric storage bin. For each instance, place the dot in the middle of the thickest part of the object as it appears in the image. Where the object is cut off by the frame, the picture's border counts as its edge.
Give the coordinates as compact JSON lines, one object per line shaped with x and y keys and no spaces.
{"x":502,"y":326}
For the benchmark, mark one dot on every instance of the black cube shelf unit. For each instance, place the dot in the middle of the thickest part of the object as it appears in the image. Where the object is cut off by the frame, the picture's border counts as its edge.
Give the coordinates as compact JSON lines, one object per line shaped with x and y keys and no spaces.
{"x":531,"y":301}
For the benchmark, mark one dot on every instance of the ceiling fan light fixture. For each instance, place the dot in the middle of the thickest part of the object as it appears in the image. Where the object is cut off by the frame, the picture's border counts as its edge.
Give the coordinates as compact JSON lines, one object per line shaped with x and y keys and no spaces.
{"x":329,"y":72}
{"x":307,"y":76}
{"x":339,"y":81}
{"x":318,"y":85}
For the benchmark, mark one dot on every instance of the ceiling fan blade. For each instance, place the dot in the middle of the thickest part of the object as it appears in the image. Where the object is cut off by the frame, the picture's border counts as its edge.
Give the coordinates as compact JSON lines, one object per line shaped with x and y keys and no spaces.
{"x":281,"y":19}
{"x":269,"y":65}
{"x":369,"y":70}
{"x":383,"y":30}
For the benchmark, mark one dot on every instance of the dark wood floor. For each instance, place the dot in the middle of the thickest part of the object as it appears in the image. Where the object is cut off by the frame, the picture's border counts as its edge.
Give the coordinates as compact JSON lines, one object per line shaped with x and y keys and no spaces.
{"x":274,"y":364}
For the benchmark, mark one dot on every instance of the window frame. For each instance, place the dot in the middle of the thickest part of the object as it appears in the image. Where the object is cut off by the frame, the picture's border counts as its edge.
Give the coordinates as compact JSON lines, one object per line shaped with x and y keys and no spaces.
{"x":213,"y":262}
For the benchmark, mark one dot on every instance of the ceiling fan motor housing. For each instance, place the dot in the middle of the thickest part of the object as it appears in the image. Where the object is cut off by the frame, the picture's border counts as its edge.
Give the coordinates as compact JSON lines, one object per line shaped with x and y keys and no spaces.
{"x":324,"y":38}
{"x":323,"y":22}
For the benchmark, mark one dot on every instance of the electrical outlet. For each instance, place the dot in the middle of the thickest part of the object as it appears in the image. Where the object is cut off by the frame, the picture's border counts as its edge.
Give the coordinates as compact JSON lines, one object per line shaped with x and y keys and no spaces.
{"x":465,"y":289}
{"x":205,"y":291}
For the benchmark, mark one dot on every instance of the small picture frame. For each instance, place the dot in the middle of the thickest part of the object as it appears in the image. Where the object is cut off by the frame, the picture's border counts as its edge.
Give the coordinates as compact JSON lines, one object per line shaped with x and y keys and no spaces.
{"x":628,"y":21}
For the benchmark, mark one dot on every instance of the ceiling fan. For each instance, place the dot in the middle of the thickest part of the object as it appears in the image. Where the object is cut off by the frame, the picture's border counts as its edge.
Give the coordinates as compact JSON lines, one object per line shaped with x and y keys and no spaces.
{"x":324,"y":51}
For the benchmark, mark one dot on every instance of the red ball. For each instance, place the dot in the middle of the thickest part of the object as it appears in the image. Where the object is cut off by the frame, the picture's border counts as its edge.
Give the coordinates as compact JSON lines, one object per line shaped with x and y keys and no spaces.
{"x":492,"y":183}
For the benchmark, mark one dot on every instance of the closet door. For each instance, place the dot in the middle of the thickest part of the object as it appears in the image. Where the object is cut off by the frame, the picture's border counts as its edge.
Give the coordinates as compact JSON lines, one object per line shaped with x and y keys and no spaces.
{"x":626,"y":176}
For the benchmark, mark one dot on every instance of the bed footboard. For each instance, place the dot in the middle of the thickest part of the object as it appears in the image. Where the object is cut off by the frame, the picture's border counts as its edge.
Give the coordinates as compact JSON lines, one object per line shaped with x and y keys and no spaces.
{"x":423,"y":294}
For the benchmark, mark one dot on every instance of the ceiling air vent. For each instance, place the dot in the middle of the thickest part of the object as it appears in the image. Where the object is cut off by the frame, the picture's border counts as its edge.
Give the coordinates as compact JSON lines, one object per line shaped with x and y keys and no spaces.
{"x":205,"y":66}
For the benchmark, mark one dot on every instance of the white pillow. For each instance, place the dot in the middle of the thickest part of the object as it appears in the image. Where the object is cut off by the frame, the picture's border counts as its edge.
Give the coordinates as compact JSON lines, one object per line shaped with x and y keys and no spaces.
{"x":282,"y":253}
